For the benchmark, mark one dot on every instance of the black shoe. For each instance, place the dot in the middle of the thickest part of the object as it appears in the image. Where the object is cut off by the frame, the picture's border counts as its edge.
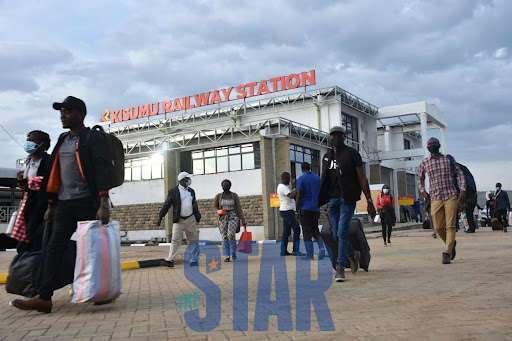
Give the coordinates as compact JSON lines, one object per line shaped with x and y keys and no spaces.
{"x":321,"y":254}
{"x":340,"y":273}
{"x":195,"y":263}
{"x":298,"y":253}
{"x":226,"y":260}
{"x":452,"y":256}
{"x":167,"y":263}
{"x":446,"y":258}
{"x":470,"y":231}
{"x":354,"y":261}
{"x":504,"y":229}
{"x":286,"y":254}
{"x":234,"y":257}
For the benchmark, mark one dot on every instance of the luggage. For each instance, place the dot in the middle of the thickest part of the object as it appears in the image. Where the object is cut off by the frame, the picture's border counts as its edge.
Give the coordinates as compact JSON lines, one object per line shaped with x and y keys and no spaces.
{"x":26,"y":269}
{"x":98,"y":262}
{"x":245,"y":242}
{"x":356,"y":238}
{"x":426,"y":224}
{"x":496,"y":225}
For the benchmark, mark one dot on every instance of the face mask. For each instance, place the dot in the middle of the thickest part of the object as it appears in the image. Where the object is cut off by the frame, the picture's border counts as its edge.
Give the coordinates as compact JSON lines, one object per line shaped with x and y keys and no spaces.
{"x":385,"y":190}
{"x":189,"y":182}
{"x":30,"y":147}
{"x":337,"y":140}
{"x":498,"y":189}
{"x":434,"y":148}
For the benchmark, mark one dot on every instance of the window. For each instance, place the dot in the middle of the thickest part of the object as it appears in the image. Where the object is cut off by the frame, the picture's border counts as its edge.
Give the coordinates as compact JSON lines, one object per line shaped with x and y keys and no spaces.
{"x":299,"y":155}
{"x":144,"y":168}
{"x":351,"y":128}
{"x":226,"y":159}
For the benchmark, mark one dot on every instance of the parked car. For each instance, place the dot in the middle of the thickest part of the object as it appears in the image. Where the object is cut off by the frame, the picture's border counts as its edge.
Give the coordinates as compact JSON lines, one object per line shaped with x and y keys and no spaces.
{"x":483,"y":218}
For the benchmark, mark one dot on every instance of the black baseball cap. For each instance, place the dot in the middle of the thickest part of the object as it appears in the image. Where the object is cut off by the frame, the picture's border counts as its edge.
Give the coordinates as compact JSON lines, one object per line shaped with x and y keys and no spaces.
{"x":71,"y":103}
{"x":337,"y":129}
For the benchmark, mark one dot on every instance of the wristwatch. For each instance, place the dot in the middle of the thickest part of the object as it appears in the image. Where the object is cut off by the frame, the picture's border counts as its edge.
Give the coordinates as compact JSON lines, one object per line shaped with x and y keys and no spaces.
{"x":105,"y":205}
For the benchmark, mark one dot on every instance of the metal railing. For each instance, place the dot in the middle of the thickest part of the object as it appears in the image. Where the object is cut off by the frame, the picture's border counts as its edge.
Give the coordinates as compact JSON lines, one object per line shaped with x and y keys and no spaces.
{"x":6,"y":212}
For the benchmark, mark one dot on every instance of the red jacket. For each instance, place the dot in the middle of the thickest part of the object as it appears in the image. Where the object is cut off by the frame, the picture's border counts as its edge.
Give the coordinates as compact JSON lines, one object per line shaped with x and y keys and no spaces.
{"x":385,"y":199}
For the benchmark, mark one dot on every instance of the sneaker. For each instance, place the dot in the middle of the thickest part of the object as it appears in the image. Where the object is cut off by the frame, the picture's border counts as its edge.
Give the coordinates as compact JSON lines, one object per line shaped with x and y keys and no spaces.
{"x":385,"y":244}
{"x":167,"y":263}
{"x":452,"y":256}
{"x":446,"y":258}
{"x":354,"y":261}
{"x":321,"y":255}
{"x":340,"y":274}
{"x":389,"y":241}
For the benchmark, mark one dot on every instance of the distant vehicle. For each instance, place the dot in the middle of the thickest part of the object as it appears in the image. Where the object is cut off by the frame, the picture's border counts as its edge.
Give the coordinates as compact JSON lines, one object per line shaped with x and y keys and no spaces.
{"x":483,"y":218}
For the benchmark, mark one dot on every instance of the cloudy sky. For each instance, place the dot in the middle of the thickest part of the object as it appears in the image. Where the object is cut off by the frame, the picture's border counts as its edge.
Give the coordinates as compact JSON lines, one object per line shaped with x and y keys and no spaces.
{"x":118,"y":54}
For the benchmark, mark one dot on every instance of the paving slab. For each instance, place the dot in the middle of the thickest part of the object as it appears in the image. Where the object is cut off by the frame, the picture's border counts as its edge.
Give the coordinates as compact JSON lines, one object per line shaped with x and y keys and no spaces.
{"x":406,"y":295}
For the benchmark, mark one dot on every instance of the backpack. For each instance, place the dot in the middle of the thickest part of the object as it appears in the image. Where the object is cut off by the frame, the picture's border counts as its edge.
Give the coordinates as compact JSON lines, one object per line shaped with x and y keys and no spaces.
{"x":116,"y":152}
{"x":470,"y":181}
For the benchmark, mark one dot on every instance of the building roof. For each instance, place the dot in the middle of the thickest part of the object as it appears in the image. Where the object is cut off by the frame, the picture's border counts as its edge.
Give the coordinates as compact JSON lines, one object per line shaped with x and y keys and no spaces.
{"x":8,"y":173}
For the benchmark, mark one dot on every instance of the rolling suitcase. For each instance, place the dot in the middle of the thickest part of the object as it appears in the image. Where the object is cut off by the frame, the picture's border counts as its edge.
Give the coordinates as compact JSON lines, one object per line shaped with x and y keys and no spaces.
{"x":496,"y":225}
{"x":356,"y":238}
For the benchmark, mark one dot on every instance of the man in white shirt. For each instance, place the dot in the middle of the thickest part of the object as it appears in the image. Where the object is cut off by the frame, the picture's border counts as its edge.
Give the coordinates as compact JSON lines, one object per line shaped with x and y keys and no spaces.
{"x":287,"y":212}
{"x":185,"y":217}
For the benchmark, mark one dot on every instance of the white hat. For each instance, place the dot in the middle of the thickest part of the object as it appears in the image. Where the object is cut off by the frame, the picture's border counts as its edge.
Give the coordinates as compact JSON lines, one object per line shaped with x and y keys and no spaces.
{"x":183,"y":175}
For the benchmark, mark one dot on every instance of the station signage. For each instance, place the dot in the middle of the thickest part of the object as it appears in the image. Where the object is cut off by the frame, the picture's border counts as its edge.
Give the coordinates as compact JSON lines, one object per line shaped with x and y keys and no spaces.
{"x":242,"y":91}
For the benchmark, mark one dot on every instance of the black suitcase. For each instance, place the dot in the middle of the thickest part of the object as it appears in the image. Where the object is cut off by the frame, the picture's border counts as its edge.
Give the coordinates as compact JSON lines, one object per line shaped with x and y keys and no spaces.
{"x":426,"y":224}
{"x":356,"y":238}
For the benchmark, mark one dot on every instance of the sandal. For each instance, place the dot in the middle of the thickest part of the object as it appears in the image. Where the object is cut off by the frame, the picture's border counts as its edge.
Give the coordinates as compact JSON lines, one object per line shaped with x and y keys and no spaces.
{"x":226,"y":260}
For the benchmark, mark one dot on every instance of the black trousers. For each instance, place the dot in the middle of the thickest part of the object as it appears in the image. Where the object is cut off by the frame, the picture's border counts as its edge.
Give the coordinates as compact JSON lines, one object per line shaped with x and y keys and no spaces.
{"x":470,"y":208}
{"x":67,"y":214}
{"x":501,"y":214}
{"x":309,"y":220}
{"x":387,"y":227}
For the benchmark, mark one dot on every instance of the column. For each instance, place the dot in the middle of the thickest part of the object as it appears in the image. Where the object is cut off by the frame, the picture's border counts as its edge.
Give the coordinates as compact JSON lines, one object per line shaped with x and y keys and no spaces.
{"x":444,"y":146}
{"x":424,"y":133}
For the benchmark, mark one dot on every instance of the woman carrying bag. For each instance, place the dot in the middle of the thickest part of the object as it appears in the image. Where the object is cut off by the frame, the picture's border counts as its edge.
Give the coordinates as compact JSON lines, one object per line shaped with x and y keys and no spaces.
{"x":386,"y":207}
{"x":230,"y":214}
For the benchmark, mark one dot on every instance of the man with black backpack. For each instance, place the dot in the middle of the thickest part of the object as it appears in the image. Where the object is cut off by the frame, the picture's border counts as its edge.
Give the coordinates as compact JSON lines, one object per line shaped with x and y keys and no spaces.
{"x":443,"y":193}
{"x":77,"y":188}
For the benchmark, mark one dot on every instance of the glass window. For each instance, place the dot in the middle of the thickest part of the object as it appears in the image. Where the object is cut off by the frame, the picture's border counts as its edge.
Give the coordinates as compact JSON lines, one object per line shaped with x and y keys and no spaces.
{"x":198,"y":166}
{"x":209,"y":166}
{"x":247,"y":148}
{"x":234,"y":150}
{"x":209,"y":153}
{"x":248,"y":161}
{"x":136,"y":173}
{"x":222,"y":151}
{"x":197,"y":155}
{"x":146,"y":171}
{"x":127,"y":173}
{"x":235,"y":163}
{"x":222,"y":164}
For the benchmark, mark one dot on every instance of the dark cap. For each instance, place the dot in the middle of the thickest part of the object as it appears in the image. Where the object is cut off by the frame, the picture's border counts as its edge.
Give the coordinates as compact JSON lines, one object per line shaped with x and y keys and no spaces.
{"x":337,"y":129}
{"x":71,"y":103}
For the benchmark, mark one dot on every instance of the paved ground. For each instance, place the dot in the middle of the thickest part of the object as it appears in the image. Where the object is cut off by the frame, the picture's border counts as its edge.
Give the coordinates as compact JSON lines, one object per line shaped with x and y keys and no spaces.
{"x":407,"y":295}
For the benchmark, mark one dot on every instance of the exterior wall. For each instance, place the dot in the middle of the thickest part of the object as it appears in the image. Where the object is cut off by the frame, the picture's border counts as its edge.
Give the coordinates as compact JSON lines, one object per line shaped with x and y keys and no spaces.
{"x":375,"y":174}
{"x":138,"y":192}
{"x":144,"y":216}
{"x":401,"y":182}
{"x":244,"y":183}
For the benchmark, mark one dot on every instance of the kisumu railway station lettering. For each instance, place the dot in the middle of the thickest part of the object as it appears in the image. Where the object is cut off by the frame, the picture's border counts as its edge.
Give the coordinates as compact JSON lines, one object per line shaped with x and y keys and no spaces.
{"x":241,"y":91}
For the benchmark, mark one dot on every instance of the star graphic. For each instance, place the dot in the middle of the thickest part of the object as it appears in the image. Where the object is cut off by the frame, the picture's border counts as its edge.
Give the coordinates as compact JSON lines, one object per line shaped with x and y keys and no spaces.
{"x":213,"y":264}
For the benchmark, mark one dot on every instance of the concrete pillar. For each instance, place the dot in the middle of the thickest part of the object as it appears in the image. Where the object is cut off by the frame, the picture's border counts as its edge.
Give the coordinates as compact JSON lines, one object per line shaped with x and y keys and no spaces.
{"x":394,"y":188}
{"x":387,"y":138}
{"x":374,"y":177}
{"x":424,"y":133}
{"x":171,"y":171}
{"x":444,"y":146}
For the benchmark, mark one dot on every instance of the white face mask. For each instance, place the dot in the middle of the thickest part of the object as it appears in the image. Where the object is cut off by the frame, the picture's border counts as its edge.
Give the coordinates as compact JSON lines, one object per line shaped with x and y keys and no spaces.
{"x":385,"y":191}
{"x":189,"y":182}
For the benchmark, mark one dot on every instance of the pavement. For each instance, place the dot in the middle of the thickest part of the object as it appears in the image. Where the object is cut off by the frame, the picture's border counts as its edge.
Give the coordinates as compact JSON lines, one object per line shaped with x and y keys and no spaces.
{"x":406,"y":295}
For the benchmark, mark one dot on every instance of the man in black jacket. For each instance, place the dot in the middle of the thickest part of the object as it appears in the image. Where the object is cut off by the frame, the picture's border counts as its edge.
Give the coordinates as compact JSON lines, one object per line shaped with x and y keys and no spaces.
{"x":341,"y":184}
{"x":77,"y":187}
{"x":185,"y":215}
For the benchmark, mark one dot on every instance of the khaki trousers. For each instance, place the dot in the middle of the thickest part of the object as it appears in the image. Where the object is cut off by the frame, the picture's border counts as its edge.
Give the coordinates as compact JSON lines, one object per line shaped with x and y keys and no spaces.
{"x":444,"y":215}
{"x":188,"y":226}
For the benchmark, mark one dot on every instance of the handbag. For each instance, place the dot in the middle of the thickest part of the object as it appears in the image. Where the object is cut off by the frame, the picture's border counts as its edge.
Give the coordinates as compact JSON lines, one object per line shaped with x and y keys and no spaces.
{"x":221,"y":212}
{"x":98,"y":262}
{"x":245,"y":242}
{"x":26,"y":269}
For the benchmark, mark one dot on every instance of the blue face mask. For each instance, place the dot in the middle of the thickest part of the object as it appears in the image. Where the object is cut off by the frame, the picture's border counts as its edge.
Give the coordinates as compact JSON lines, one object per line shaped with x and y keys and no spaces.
{"x":385,"y":191}
{"x":498,"y":189}
{"x":30,"y":147}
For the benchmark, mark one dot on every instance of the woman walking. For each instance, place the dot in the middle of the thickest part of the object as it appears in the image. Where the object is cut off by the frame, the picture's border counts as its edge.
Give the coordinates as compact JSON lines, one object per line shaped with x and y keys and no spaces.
{"x":386,"y":207}
{"x":229,"y":211}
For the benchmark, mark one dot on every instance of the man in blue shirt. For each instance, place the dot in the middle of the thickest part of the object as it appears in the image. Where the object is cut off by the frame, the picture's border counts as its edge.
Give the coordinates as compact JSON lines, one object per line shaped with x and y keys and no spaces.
{"x":308,"y":212}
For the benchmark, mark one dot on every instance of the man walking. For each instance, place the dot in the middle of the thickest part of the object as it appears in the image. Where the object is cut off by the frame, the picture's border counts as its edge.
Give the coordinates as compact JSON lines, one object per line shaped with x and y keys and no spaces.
{"x":77,"y":189}
{"x":308,"y":212}
{"x":341,"y":184}
{"x":287,"y":212}
{"x":443,"y":194}
{"x":501,"y":206}
{"x":417,"y":210}
{"x":185,"y":215}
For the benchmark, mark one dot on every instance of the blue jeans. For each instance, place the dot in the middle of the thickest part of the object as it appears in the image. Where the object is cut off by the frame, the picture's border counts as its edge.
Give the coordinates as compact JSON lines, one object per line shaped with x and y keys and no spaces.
{"x":340,"y":215}
{"x":289,"y":224}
